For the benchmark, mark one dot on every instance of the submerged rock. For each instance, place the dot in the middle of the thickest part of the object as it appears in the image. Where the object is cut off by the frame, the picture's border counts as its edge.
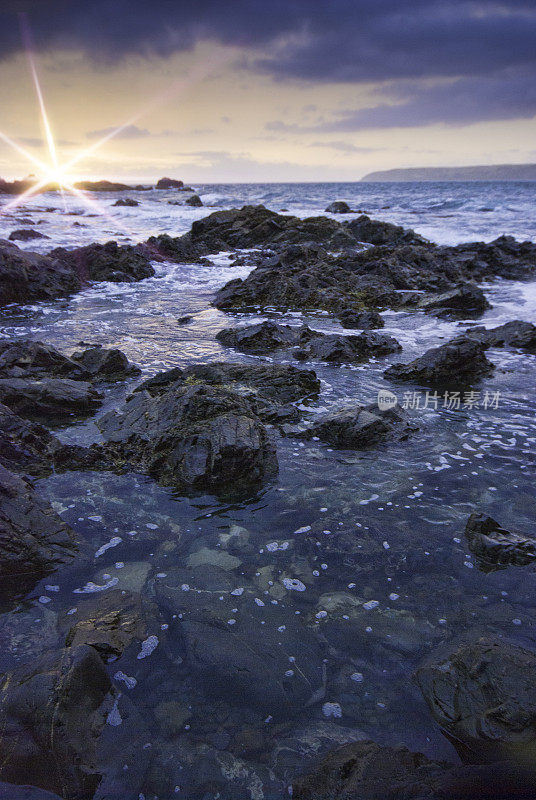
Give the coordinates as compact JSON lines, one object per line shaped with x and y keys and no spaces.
{"x":481,"y":693}
{"x":495,"y":547}
{"x":514,"y":334}
{"x":191,"y":436}
{"x":106,"y":262}
{"x":48,"y":397}
{"x":126,"y":202}
{"x":457,"y":363}
{"x":33,"y":538}
{"x":360,"y":427}
{"x":27,"y":277}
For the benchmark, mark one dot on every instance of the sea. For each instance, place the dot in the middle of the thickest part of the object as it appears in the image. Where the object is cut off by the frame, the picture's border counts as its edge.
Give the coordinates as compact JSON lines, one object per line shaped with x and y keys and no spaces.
{"x":405,"y":505}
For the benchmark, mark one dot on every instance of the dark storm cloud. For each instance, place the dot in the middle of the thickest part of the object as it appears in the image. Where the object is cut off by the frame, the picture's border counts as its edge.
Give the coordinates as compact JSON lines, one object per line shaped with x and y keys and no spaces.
{"x":352,"y":41}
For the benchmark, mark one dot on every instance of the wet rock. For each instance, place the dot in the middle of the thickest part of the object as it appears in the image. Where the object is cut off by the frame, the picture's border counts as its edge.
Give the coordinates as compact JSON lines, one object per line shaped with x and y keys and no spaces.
{"x":457,"y":363}
{"x":26,"y":235}
{"x":359,"y":427}
{"x":48,"y":397}
{"x":127,"y":202}
{"x":360,"y":319}
{"x":191,"y":436}
{"x":27,"y":277}
{"x":514,"y":334}
{"x":169,"y":183}
{"x":481,"y":693}
{"x":33,"y":538}
{"x":109,"y":622}
{"x":105,"y":365}
{"x":245,"y":661}
{"x":24,"y":358}
{"x":339,"y":207}
{"x":338,"y":349}
{"x":10,"y":791}
{"x":467,"y":301}
{"x":106,"y":262}
{"x":495,"y":547}
{"x":376,"y":232}
{"x":369,"y":771}
{"x":61,"y":707}
{"x":259,"y":339}
{"x":185,"y":320}
{"x":194,"y":200}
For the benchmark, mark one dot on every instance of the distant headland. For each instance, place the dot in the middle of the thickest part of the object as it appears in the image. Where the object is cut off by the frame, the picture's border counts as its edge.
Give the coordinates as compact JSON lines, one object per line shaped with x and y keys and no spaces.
{"x":496,"y":172}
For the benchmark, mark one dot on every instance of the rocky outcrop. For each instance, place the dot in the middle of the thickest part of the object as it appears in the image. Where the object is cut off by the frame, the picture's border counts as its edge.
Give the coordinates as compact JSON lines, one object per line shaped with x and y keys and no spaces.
{"x":191,"y":436}
{"x":169,"y":183}
{"x":26,"y":277}
{"x":338,"y":207}
{"x":194,"y":201}
{"x":266,"y":337}
{"x":467,"y":300}
{"x":102,"y":364}
{"x":49,"y":397}
{"x":481,"y":693}
{"x":514,"y":334}
{"x":26,"y":235}
{"x":369,"y":771}
{"x":106,"y":262}
{"x":495,"y":547}
{"x":33,"y":538}
{"x":376,"y":232}
{"x":364,"y":320}
{"x":359,"y":427}
{"x":457,"y":363}
{"x":66,"y":730}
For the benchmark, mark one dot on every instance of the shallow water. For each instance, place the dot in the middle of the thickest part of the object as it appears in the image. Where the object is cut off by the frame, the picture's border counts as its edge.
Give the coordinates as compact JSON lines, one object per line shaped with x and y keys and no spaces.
{"x":403,"y":507}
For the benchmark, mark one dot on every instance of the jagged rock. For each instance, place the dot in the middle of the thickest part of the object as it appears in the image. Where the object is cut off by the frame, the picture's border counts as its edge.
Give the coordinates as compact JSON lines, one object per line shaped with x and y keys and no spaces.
{"x":457,"y":363}
{"x":66,"y":730}
{"x":26,"y":235}
{"x":24,"y":358}
{"x":191,"y":436}
{"x":48,"y":397}
{"x":244,"y":662}
{"x":127,"y":202}
{"x":467,"y":301}
{"x":169,"y":183}
{"x":339,"y":207}
{"x":360,"y":427}
{"x":360,"y":319}
{"x":495,"y":547}
{"x":106,"y":262}
{"x":481,"y":693}
{"x":264,"y":337}
{"x":514,"y":334}
{"x":26,"y":446}
{"x":26,"y":277}
{"x":369,"y":771}
{"x":105,"y":365}
{"x":338,"y":349}
{"x":194,"y":200}
{"x":33,"y":538}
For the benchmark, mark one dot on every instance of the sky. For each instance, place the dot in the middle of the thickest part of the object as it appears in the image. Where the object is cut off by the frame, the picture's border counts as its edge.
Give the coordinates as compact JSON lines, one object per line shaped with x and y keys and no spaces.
{"x":251,"y":90}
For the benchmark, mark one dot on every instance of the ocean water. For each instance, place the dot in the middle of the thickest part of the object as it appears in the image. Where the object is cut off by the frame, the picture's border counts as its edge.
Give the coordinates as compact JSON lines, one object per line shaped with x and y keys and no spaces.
{"x":404,"y":506}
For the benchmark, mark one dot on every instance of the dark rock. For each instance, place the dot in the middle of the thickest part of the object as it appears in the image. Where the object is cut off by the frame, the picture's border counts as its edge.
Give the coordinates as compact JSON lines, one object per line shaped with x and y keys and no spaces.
{"x":514,"y":334}
{"x":48,"y":397}
{"x":194,"y":200}
{"x":457,"y":363}
{"x":495,"y":547}
{"x":339,"y":207}
{"x":27,"y":277}
{"x":376,"y":232}
{"x":105,"y":365}
{"x":10,"y":791}
{"x":369,"y":771}
{"x":364,"y":320}
{"x":481,"y":694}
{"x":126,"y":202}
{"x":33,"y":538}
{"x":25,"y":235}
{"x":185,"y":320}
{"x":360,"y":427}
{"x":191,"y":436}
{"x":106,"y":262}
{"x":169,"y":183}
{"x":338,"y":349}
{"x":25,"y":446}
{"x":467,"y":300}
{"x":24,"y":358}
{"x":104,"y":186}
{"x":55,"y":734}
{"x":264,"y":337}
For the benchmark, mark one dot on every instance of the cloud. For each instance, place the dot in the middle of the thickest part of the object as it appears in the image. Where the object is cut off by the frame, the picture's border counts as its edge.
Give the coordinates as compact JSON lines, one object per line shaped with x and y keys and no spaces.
{"x":346,"y":147}
{"x":129,"y":132}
